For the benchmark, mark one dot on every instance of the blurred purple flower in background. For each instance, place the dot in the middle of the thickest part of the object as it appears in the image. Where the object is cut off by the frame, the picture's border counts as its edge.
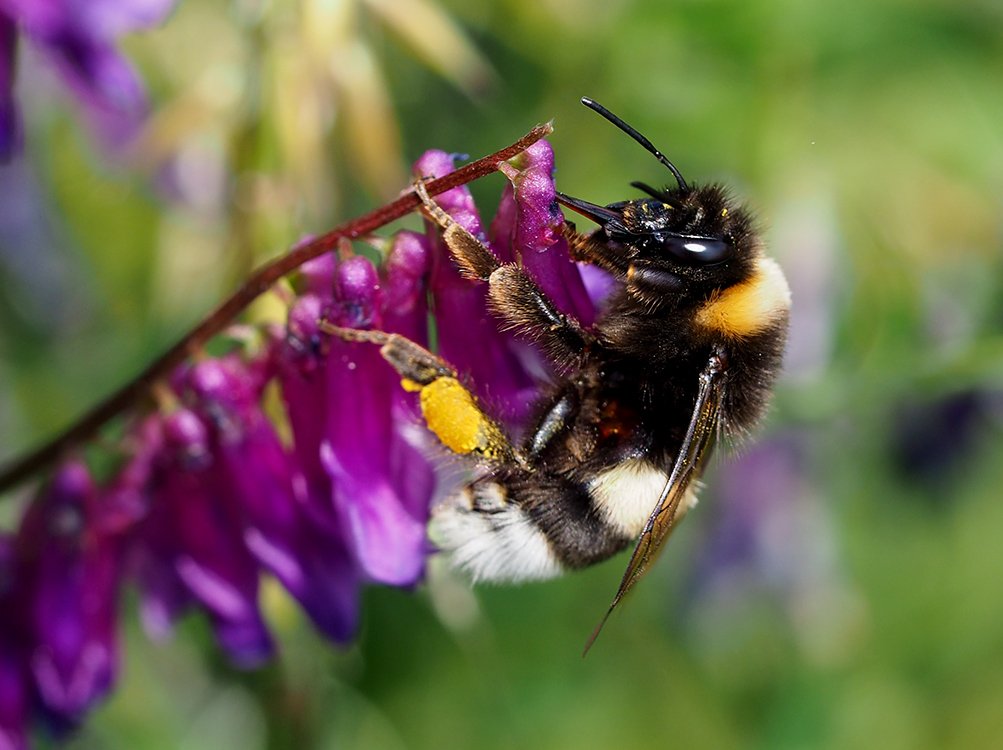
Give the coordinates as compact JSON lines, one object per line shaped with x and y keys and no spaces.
{"x":933,"y":439}
{"x":78,"y":37}
{"x":773,"y":541}
{"x":10,"y":126}
{"x":218,"y":487}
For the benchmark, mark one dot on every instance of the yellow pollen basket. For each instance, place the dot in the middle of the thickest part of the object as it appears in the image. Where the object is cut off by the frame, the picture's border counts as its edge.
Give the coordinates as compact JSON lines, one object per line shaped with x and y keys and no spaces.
{"x":452,"y":414}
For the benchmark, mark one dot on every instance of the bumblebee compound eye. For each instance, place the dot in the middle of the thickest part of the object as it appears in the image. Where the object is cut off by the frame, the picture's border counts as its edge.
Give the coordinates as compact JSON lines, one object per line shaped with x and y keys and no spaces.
{"x":697,"y":251}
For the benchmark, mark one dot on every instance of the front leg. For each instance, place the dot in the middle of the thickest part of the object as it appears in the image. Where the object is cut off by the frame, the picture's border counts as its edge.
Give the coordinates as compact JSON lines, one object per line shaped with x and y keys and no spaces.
{"x":513,"y":294}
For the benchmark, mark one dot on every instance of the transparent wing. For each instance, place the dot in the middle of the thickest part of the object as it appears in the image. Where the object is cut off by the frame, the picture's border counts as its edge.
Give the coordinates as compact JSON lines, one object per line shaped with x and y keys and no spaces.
{"x":688,"y":466}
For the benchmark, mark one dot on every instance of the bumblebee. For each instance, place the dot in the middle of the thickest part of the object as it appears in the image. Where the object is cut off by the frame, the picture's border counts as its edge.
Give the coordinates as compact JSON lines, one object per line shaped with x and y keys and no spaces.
{"x":685,"y":353}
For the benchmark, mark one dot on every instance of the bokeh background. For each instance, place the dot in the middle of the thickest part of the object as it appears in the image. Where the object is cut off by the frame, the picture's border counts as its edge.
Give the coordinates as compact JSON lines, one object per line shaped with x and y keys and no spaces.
{"x":839,"y":585}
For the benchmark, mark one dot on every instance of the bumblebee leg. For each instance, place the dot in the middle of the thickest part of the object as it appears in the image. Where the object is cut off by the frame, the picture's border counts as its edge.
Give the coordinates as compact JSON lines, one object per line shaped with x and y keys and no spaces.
{"x":451,"y":412}
{"x":514,"y":296}
{"x":476,"y":261}
{"x":588,"y":248}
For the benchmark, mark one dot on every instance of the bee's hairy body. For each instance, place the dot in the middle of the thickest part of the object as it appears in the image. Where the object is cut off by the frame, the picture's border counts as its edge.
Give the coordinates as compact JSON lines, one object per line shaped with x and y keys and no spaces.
{"x":685,"y":352}
{"x":604,"y":438}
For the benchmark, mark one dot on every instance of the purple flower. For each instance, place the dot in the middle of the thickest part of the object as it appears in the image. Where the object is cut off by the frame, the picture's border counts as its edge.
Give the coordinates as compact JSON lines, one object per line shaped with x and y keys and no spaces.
{"x":530,"y":220}
{"x":70,"y":571}
{"x":13,"y":696}
{"x":301,"y":363}
{"x":316,"y":276}
{"x":349,"y":415}
{"x":191,"y":548}
{"x":931,"y":440}
{"x":14,"y":684}
{"x":495,"y":366}
{"x":773,"y":539}
{"x":79,"y":38}
{"x":250,"y":466}
{"x":405,"y":282}
{"x":382,"y":483}
{"x":211,"y":494}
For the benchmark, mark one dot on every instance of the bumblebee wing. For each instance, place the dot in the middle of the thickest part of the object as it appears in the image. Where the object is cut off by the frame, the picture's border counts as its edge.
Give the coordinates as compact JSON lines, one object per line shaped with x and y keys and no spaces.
{"x":688,"y":466}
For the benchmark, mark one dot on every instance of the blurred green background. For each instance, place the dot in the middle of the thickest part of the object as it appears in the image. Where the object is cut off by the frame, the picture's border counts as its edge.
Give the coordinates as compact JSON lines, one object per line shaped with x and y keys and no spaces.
{"x":840,"y":583}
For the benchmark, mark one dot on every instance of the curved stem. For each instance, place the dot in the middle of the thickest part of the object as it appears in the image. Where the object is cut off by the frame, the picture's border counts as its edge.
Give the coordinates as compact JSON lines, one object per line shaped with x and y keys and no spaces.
{"x":259,"y":282}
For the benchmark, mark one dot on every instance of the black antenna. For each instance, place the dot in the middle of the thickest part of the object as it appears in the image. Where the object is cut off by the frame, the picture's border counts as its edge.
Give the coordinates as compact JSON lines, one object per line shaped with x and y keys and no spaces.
{"x":597,"y":107}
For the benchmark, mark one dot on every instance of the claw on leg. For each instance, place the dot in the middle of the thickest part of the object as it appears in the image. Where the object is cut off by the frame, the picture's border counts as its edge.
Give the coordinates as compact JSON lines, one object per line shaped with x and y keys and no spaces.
{"x":473,"y":257}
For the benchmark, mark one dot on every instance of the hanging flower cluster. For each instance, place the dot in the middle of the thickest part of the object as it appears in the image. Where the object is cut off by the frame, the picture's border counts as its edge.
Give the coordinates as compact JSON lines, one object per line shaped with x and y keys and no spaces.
{"x":212,"y":494}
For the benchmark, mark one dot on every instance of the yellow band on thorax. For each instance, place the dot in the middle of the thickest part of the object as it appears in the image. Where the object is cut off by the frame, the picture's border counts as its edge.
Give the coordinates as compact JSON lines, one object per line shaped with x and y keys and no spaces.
{"x":750,"y":307}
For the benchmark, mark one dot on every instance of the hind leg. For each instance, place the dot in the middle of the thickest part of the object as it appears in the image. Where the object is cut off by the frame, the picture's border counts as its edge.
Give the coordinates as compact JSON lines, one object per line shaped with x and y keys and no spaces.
{"x":451,"y":412}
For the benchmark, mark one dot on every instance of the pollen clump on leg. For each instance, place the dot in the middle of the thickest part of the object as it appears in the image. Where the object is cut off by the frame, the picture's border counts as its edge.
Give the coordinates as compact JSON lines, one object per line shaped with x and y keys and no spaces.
{"x":453,"y":415}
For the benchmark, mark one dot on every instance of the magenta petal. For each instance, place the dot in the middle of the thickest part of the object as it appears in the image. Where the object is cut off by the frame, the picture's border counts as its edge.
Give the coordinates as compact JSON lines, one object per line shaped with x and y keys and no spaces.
{"x":387,"y":540}
{"x":357,"y":294}
{"x":163,"y":595}
{"x":74,"y":577}
{"x":38,"y":16}
{"x":361,"y":388}
{"x":406,"y":312}
{"x":88,"y":61}
{"x":126,"y":511}
{"x":457,"y":202}
{"x":503,"y":225}
{"x":250,"y":465}
{"x":538,"y":239}
{"x":154,"y":554}
{"x":405,"y":284}
{"x":303,"y":383}
{"x":316,"y":276}
{"x":489,"y":360}
{"x":153,"y":545}
{"x":101,"y":19}
{"x":80,"y":39}
{"x":333,"y":600}
{"x":413,"y":478}
{"x":360,"y":384}
{"x":599,"y":284}
{"x":764,"y":491}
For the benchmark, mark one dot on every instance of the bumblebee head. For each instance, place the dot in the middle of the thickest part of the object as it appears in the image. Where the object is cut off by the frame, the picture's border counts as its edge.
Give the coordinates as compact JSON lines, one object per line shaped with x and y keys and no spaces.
{"x":680,"y":240}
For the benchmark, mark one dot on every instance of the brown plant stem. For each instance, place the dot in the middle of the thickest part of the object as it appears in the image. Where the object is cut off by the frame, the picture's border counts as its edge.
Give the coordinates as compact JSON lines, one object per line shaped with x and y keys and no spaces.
{"x":258,"y":283}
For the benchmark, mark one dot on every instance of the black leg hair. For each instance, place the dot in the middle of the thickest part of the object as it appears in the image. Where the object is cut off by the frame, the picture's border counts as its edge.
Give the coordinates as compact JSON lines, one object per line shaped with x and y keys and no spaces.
{"x":514,"y":296}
